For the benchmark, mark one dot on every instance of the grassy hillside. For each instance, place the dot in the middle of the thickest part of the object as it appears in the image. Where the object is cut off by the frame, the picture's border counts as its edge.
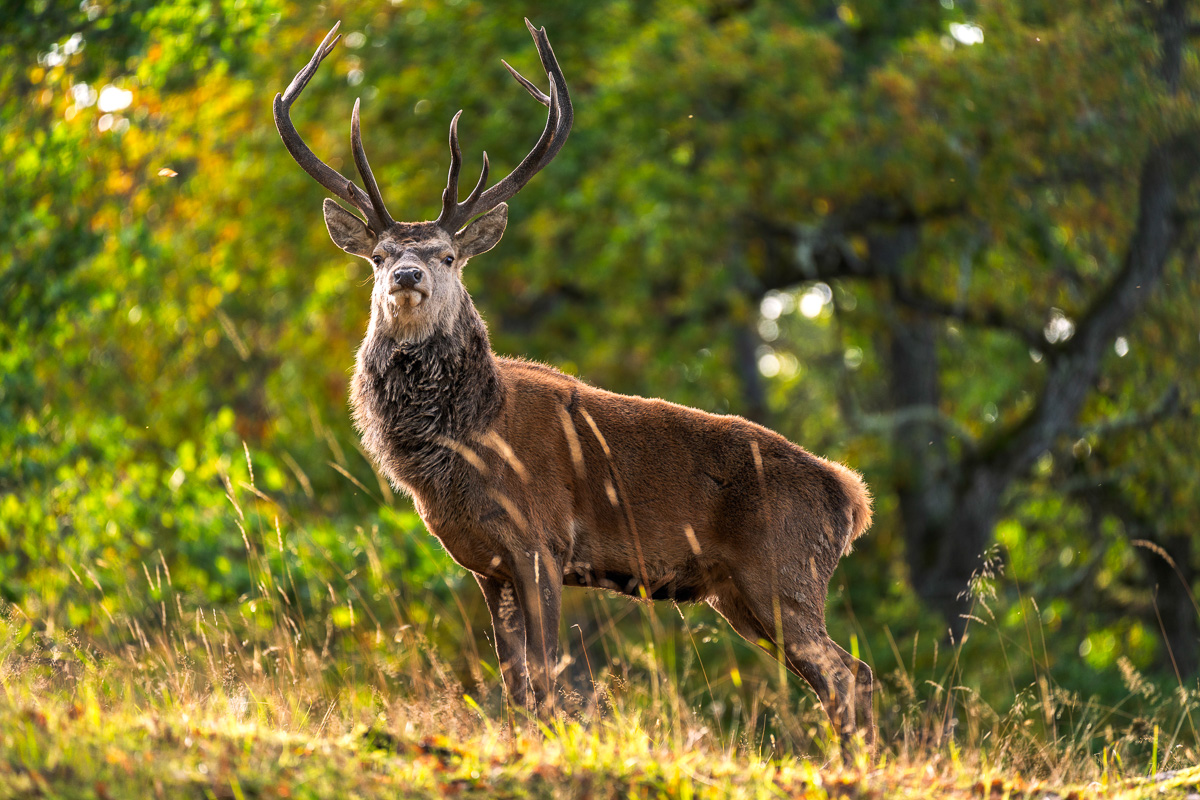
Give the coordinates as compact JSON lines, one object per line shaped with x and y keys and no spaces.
{"x":208,"y":703}
{"x":74,"y":729}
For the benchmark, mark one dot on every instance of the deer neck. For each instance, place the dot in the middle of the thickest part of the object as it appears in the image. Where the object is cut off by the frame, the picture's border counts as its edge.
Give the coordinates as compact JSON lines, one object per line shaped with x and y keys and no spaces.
{"x":410,"y":397}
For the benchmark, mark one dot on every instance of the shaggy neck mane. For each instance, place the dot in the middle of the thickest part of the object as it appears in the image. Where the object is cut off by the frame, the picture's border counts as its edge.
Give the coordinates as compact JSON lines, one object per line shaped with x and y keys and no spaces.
{"x":409,"y":398}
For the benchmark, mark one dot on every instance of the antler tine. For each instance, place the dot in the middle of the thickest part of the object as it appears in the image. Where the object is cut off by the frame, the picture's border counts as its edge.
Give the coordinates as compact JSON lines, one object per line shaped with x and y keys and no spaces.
{"x":554,"y":135}
{"x":364,"y":169}
{"x":333,"y":181}
{"x":473,"y":197}
{"x":451,"y":208}
{"x":537,"y":93}
{"x":450,"y":194}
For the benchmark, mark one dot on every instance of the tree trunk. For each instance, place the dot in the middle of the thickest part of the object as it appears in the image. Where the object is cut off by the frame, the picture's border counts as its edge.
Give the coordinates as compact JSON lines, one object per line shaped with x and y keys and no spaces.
{"x":1174,"y":607}
{"x":754,"y":395}
{"x":949,"y":507}
{"x":944,"y":529}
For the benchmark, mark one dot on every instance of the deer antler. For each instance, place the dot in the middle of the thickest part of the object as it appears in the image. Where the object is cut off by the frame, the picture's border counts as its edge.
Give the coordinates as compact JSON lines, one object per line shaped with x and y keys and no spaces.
{"x":558,"y":125}
{"x":370,"y":202}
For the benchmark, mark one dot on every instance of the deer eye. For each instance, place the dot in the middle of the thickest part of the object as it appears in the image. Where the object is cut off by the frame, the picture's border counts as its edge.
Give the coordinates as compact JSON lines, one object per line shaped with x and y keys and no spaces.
{"x":448,"y":260}
{"x":377,"y":260}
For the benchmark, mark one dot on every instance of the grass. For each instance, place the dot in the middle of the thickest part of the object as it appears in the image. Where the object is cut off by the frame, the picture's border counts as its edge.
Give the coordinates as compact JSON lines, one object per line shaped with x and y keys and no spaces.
{"x":106,"y":727}
{"x":359,"y":687}
{"x":209,"y":706}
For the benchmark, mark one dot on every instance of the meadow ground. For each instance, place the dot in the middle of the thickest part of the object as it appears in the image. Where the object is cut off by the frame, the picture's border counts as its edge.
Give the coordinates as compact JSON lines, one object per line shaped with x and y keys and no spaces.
{"x":195,"y":711}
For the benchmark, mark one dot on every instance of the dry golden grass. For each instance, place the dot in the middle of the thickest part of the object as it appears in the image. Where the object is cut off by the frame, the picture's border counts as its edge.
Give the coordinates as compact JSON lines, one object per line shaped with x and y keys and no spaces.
{"x":214,"y":705}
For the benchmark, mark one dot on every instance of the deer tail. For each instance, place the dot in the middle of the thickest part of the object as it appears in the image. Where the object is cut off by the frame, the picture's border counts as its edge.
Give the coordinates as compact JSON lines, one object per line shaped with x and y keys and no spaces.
{"x":859,"y":501}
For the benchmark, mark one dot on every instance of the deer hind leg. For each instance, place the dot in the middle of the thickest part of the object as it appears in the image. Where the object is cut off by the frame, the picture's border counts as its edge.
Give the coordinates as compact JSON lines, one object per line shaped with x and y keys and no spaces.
{"x":806,"y":648}
{"x":864,"y":688}
{"x":508,"y":626}
{"x":819,"y":663}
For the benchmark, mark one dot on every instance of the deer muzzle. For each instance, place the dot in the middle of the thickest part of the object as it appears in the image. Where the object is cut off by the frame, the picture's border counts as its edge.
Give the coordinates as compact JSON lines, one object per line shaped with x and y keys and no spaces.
{"x":407,"y":278}
{"x":409,"y":287}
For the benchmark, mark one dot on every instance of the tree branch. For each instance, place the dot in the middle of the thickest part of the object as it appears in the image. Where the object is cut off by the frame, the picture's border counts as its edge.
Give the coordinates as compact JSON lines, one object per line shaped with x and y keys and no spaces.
{"x":798,"y":253}
{"x":886,"y":423}
{"x":983,"y":315}
{"x":1168,"y":405}
{"x":1075,"y":365}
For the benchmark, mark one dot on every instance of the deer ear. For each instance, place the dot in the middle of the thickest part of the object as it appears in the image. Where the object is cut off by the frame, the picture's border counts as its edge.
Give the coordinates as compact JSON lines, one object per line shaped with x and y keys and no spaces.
{"x":348,"y":231}
{"x":482,"y":234}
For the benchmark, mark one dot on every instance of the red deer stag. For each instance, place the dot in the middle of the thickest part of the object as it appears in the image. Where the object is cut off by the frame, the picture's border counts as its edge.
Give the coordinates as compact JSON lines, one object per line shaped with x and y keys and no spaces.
{"x":533,"y":480}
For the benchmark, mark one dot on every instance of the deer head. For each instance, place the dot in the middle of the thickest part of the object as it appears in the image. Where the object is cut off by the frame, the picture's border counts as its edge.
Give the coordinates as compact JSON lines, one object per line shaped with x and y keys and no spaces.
{"x":418,"y":265}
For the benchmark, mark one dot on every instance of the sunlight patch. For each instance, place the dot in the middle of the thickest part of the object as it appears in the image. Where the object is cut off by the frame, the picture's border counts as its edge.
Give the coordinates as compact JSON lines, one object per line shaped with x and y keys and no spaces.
{"x":114,"y":99}
{"x":967,"y":33}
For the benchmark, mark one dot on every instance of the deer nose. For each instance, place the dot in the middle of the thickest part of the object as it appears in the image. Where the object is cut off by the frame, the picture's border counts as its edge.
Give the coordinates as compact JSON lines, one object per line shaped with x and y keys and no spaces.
{"x":407,"y":278}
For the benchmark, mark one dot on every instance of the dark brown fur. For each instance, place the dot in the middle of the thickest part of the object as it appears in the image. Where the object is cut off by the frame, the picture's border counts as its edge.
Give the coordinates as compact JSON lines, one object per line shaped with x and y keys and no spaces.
{"x":533,"y":479}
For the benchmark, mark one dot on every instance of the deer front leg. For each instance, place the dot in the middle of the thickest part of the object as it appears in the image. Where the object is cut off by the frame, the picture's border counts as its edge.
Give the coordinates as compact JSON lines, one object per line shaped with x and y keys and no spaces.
{"x":538,"y":580}
{"x":508,"y":626}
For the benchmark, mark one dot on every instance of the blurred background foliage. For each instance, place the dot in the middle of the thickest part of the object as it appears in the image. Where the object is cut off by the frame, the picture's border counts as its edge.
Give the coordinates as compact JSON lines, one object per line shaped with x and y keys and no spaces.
{"x":951,"y":244}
